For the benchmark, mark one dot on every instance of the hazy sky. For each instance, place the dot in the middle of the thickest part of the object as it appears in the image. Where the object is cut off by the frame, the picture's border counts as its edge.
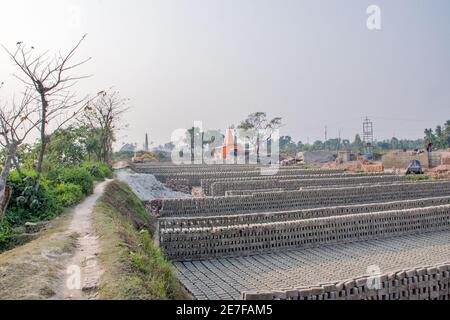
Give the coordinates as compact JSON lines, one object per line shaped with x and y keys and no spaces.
{"x":314,"y":63}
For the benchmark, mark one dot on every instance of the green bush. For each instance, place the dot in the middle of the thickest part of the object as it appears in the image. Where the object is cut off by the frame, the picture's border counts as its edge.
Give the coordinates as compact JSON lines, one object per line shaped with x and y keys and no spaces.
{"x":68,"y":194}
{"x":26,"y":207}
{"x":98,"y":170}
{"x":5,"y":237}
{"x":62,"y":186}
{"x":74,"y":175}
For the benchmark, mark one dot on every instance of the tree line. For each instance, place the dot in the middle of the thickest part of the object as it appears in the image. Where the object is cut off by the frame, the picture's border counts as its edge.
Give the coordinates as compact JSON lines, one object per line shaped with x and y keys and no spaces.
{"x":440,"y":138}
{"x":73,"y":135}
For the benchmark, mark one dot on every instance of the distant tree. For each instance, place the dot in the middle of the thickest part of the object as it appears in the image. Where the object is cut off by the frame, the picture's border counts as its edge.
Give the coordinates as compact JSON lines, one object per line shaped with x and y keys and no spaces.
{"x":93,"y":143}
{"x":447,"y":132}
{"x":346,"y":144}
{"x":169,"y":146}
{"x":317,"y":145}
{"x":429,"y":136}
{"x":68,"y":146}
{"x":261,"y":127}
{"x":358,"y":144}
{"x":332,"y":144}
{"x":440,"y":138}
{"x":394,"y":143}
{"x":103,"y":116}
{"x":383,"y":145}
{"x":287,"y":146}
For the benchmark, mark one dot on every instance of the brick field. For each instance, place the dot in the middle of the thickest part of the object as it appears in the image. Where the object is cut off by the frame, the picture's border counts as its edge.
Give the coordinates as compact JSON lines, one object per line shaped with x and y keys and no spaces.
{"x":305,"y":234}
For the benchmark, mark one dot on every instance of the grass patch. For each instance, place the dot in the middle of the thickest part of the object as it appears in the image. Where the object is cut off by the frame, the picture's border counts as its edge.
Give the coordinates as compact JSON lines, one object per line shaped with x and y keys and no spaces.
{"x":418,"y":177}
{"x":33,"y":271}
{"x":134,"y":268}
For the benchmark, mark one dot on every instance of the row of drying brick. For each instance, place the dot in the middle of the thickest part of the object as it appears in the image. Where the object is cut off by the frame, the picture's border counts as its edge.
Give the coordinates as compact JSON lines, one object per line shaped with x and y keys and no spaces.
{"x":207,"y":183}
{"x":174,"y":169}
{"x":219,"y":189}
{"x":172,"y":224}
{"x":279,"y":201}
{"x":304,"y":188}
{"x":207,"y":243}
{"x":195,"y":178}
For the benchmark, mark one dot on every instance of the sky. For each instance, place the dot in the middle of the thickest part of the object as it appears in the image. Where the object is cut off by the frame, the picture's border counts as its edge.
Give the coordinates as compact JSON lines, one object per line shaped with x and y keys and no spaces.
{"x":312,"y":62}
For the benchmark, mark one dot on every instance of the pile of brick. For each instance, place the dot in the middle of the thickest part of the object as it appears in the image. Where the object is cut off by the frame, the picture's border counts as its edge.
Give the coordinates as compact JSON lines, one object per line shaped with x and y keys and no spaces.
{"x":373,"y":167}
{"x":446,"y":160}
{"x":180,"y":185}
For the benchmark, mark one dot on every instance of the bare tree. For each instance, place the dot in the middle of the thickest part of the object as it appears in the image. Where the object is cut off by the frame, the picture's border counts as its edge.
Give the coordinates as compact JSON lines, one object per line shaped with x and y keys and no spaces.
{"x":103,"y":115}
{"x":16,"y":123}
{"x":50,"y":80}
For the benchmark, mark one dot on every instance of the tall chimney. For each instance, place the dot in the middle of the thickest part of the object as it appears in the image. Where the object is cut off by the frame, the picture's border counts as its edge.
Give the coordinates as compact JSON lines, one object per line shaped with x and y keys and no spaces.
{"x":146,"y":149}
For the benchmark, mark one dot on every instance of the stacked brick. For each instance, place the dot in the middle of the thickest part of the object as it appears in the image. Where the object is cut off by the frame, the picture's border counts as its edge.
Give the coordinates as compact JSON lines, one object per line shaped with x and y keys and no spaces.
{"x":204,"y":243}
{"x":286,"y":270}
{"x":297,"y":234}
{"x":219,"y":189}
{"x":289,"y":200}
{"x":180,"y":185}
{"x":206,"y":183}
{"x":430,"y":283}
{"x":197,"y":173}
{"x":176,"y":224}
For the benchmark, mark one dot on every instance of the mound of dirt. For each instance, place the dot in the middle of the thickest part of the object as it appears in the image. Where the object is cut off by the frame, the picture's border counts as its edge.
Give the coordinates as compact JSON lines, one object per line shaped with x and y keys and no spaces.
{"x":147,"y":187}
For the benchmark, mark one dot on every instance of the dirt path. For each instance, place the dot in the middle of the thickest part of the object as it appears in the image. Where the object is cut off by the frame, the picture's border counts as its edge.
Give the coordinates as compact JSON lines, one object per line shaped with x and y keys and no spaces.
{"x":83,"y":270}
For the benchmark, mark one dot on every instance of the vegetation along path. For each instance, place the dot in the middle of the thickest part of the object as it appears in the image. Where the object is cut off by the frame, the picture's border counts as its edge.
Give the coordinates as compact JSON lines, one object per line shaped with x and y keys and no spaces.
{"x":61,"y":263}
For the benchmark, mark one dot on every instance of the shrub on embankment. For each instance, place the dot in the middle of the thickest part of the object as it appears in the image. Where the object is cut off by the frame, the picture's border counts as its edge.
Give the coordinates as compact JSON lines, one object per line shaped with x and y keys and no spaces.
{"x":59,"y":188}
{"x":135,"y":268}
{"x":98,"y":170}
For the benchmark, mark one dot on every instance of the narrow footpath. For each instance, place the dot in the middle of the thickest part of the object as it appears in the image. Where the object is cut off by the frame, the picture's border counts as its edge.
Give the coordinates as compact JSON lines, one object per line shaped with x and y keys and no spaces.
{"x":83,"y":269}
{"x":62,"y":263}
